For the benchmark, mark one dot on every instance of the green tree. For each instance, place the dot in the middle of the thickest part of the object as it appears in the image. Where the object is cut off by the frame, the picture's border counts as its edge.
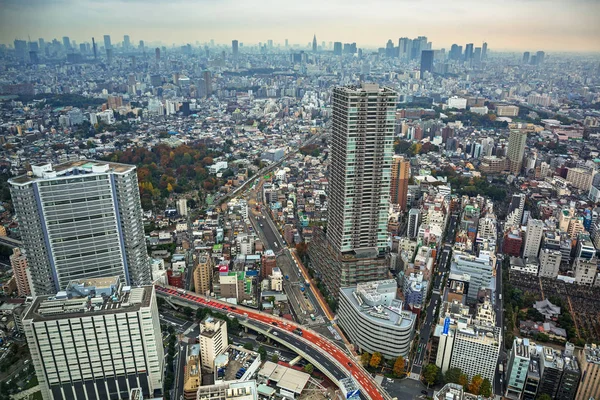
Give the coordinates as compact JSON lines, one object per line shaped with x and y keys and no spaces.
{"x":275,"y":358}
{"x":263,"y":353}
{"x":452,"y":375}
{"x":399,"y":367}
{"x":308,"y":368}
{"x":170,"y":330}
{"x":249,"y":346}
{"x":375,"y":360}
{"x":544,"y":396}
{"x":486,"y":388}
{"x":188,"y":312}
{"x":430,"y":374}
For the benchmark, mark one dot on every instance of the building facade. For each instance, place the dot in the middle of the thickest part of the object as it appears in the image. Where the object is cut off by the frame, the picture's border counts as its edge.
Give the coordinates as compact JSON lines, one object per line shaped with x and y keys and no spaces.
{"x":97,"y":340}
{"x":476,"y":351}
{"x":516,"y":149}
{"x":81,"y":219}
{"x":375,"y":320}
{"x":533,"y":237}
{"x":213,"y":340}
{"x":400,"y":176}
{"x":203,"y":274}
{"x":589,"y":359}
{"x":18,"y":262}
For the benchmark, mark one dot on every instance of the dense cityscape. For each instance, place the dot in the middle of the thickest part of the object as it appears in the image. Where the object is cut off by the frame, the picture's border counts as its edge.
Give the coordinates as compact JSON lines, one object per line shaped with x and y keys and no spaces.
{"x":273,"y":220}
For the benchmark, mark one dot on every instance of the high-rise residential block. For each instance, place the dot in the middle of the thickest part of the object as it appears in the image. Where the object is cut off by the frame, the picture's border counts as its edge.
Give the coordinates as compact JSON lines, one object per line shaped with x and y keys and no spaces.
{"x":426,"y":61}
{"x":235,"y":49}
{"x":533,"y":237}
{"x":516,"y":149}
{"x":97,"y":340}
{"x":359,"y":190}
{"x":515,"y":211}
{"x":526,"y":57}
{"x":589,"y":360}
{"x":18,"y":262}
{"x":549,"y":263}
{"x":79,"y":220}
{"x":203,"y":274}
{"x":414,"y":221}
{"x":399,"y":183}
{"x":213,"y":340}
{"x":107,"y":43}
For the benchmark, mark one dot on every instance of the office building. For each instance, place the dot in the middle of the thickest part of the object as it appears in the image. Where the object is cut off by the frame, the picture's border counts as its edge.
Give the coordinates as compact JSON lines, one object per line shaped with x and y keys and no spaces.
{"x":203,"y":274}
{"x":375,"y":320}
{"x":337,"y":48}
{"x":426,"y":61}
{"x":18,"y":263}
{"x":107,"y":44}
{"x":192,"y":373}
{"x":21,"y":50}
{"x":213,"y":340}
{"x":97,"y":339}
{"x":66,"y":43}
{"x":126,"y":42}
{"x":414,"y":221}
{"x":399,"y":183}
{"x":551,"y":368}
{"x":468,"y":52}
{"x":539,"y":57}
{"x":476,"y":350}
{"x":314,"y":44}
{"x":484,"y":51}
{"x":589,"y":360}
{"x":549,"y":263}
{"x":517,"y":368}
{"x":580,"y":178}
{"x":235,"y":49}
{"x":507,"y":111}
{"x":533,"y":237}
{"x":359,"y":190}
{"x":79,"y":220}
{"x":182,"y":209}
{"x":526,"y":57}
{"x":479,"y":269}
{"x":157,"y":54}
{"x":532,"y":380}
{"x":516,"y":150}
{"x":207,"y":78}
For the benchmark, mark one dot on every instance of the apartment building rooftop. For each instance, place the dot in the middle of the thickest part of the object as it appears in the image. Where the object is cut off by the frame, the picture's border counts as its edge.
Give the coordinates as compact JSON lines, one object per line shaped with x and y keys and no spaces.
{"x":84,"y":297}
{"x":592,"y":353}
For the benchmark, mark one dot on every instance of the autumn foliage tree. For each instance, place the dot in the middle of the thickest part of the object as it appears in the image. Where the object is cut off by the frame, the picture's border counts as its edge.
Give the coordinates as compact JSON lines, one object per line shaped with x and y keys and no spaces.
{"x":463,"y":380}
{"x":375,"y":360}
{"x":399,"y":367}
{"x":475,"y":385}
{"x":365,"y":358}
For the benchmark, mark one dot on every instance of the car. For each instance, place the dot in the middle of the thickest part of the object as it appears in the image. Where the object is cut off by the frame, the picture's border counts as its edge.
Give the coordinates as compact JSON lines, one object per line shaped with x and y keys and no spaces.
{"x":274,"y":323}
{"x":275,"y":333}
{"x":350,"y":364}
{"x":424,"y":392}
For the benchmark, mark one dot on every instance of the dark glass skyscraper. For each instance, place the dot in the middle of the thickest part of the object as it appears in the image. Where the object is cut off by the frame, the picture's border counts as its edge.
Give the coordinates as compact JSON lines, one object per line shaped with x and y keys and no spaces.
{"x":426,"y":61}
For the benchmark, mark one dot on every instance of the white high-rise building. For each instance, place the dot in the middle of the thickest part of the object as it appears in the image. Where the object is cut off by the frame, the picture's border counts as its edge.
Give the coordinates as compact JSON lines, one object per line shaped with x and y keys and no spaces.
{"x":549,"y":263}
{"x":79,"y":220}
{"x":476,"y":351}
{"x":479,"y":269}
{"x":533,"y":237}
{"x":96,"y":340}
{"x":213,"y":340}
{"x":182,"y":207}
{"x":517,"y":368}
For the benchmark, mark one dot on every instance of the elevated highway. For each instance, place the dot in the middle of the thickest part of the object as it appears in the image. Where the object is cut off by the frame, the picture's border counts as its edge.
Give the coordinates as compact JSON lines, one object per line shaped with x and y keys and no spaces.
{"x":322,"y":353}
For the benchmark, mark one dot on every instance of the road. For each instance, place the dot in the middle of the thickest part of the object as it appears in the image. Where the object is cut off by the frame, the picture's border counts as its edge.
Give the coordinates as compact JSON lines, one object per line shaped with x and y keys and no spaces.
{"x":10,"y":242}
{"x":315,"y":345}
{"x":499,"y":308}
{"x":434,"y":303}
{"x":180,"y":361}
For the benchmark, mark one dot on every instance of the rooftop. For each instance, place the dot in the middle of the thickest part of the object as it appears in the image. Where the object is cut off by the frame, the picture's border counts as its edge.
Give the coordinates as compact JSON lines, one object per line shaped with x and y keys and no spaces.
{"x":377,"y":301}
{"x":90,"y":297}
{"x":45,"y":171}
{"x":592,"y":353}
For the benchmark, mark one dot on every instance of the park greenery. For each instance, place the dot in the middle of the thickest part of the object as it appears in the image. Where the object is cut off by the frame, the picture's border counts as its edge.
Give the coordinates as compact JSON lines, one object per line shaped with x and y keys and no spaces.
{"x":476,"y":385}
{"x":471,"y":186}
{"x":164,"y":170}
{"x":310,"y":149}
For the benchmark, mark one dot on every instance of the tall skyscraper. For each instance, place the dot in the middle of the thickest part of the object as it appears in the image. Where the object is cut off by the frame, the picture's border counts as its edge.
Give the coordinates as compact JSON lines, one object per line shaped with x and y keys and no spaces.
{"x":286,"y":43}
{"x":213,"y":340}
{"x":79,"y":220}
{"x":107,"y":44}
{"x":399,"y":184}
{"x":314,"y":44}
{"x":95,"y":49}
{"x":477,"y":55}
{"x":21,"y":49}
{"x":484,"y":51}
{"x":66,"y":43}
{"x":337,"y":48}
{"x":109,"y":56}
{"x":207,"y":77}
{"x":126,"y":43}
{"x":468,"y":52}
{"x":362,"y":150}
{"x":141,"y":45}
{"x":526,"y":57}
{"x":539,"y":57}
{"x":97,"y":339}
{"x":235,"y":49}
{"x":405,"y":46}
{"x":414,"y":220}
{"x":516,"y":150}
{"x":426,"y":61}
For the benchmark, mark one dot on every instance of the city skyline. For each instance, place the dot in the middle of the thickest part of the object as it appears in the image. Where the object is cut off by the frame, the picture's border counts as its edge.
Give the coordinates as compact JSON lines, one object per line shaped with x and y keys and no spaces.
{"x":569,"y":28}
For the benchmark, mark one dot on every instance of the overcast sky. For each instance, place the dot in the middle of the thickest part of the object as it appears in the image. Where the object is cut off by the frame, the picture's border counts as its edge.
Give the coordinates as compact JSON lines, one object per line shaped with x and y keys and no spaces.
{"x":550,"y":25}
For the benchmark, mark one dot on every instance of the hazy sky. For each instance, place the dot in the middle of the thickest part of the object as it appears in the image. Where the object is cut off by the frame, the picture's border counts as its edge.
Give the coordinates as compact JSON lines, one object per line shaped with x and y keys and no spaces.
{"x":550,"y":25}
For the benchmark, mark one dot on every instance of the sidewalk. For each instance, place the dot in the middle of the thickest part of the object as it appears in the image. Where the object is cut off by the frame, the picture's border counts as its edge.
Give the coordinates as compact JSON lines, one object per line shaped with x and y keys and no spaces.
{"x":25,"y":393}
